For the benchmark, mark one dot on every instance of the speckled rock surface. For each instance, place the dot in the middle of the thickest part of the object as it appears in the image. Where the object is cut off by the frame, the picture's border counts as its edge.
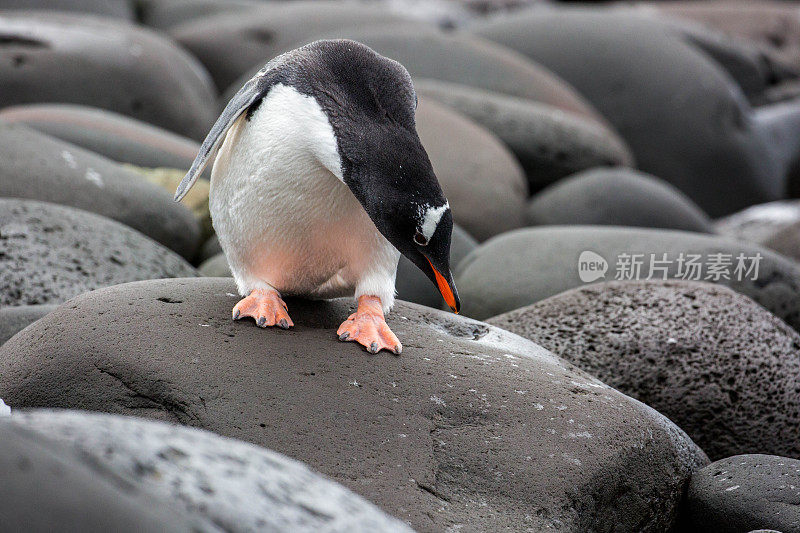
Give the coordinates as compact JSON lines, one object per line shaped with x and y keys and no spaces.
{"x":548,"y":142}
{"x":632,"y":69}
{"x":45,"y":487}
{"x":40,"y":167}
{"x":528,"y":265}
{"x":411,"y":433}
{"x":224,"y":484}
{"x":14,"y":319}
{"x":49,"y":253}
{"x":616,"y":197}
{"x":82,"y":59}
{"x":482,"y":180}
{"x":414,"y":286}
{"x":746,"y":492}
{"x":716,"y":363}
{"x":112,"y":135}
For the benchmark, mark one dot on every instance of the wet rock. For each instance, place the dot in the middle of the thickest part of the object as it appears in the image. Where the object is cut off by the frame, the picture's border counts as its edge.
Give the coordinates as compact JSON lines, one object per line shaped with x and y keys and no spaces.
{"x":716,"y":363}
{"x":616,"y":197}
{"x":637,"y":72}
{"x":49,"y":253}
{"x":412,"y":432}
{"x":746,"y":492}
{"x":528,"y":265}
{"x":14,"y":319}
{"x":469,"y":60}
{"x":114,"y":136}
{"x":548,"y":142}
{"x":482,"y":180}
{"x":39,"y":167}
{"x":46,"y":487}
{"x":222,"y":483}
{"x":55,"y":57}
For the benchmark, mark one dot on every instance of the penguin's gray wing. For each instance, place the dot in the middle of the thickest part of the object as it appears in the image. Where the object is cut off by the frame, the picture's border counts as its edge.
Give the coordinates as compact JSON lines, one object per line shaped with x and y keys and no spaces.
{"x":251,"y":92}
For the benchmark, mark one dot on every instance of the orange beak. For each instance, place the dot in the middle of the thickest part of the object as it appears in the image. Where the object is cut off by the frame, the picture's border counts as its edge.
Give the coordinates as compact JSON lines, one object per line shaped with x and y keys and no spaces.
{"x":444,"y":288}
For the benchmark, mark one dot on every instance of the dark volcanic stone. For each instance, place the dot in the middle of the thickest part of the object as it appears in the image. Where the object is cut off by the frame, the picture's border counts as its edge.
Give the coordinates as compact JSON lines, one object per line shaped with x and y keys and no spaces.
{"x":548,"y":142}
{"x":716,"y":363}
{"x":414,"y":286}
{"x":482,"y":180}
{"x":616,"y":197}
{"x":47,"y":487}
{"x":455,"y":57}
{"x":230,"y":44}
{"x":115,"y":136}
{"x":680,"y":113}
{"x":49,"y":253}
{"x":528,"y":265}
{"x":14,"y":319}
{"x":746,"y":492}
{"x":39,"y":167}
{"x":224,"y":484}
{"x":101,"y":62}
{"x":412,"y":433}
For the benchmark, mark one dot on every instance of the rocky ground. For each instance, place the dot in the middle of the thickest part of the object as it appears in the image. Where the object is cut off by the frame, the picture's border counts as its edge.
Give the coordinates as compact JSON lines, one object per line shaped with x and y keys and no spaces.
{"x":622,"y":179}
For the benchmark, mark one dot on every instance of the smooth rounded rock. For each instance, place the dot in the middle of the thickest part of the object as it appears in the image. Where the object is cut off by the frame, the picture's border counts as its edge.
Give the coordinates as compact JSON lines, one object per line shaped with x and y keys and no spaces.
{"x":412,"y":433}
{"x":49,"y":253}
{"x":616,"y":197}
{"x":15,"y":319}
{"x":456,"y":57}
{"x":55,"y":57}
{"x":716,"y":363}
{"x":414,"y":286}
{"x":45,"y":486}
{"x":40,"y":167}
{"x":224,"y":484}
{"x":163,"y":14}
{"x":683,"y":117}
{"x":122,"y":9}
{"x":528,"y":265}
{"x":112,"y":135}
{"x":482,"y":180}
{"x":548,"y":142}
{"x":215,"y":267}
{"x":210,"y":248}
{"x":746,"y":492}
{"x":230,"y":44}
{"x":770,"y":224}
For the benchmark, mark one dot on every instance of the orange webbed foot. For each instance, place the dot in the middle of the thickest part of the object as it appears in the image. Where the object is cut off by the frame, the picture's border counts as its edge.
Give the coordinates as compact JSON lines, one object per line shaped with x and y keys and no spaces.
{"x":368,"y":327}
{"x":266,"y":307}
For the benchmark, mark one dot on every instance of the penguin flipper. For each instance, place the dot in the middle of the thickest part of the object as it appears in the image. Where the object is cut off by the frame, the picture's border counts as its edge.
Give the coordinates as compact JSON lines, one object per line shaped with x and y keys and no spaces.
{"x":254,"y":90}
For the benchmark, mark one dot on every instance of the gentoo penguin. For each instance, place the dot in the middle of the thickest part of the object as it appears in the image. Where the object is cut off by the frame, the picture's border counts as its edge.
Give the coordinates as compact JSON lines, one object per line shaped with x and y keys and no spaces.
{"x":320,"y":182}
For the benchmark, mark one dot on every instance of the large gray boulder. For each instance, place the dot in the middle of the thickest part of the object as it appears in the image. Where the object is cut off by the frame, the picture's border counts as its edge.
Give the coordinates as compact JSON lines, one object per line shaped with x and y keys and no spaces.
{"x":548,"y":142}
{"x":122,"y":9}
{"x":681,"y":114}
{"x":14,"y":319}
{"x":223,"y":484}
{"x":102,"y":62}
{"x":49,"y":253}
{"x":411,"y":433}
{"x":616,"y":197}
{"x":528,"y":265}
{"x":719,"y":365}
{"x":39,"y":167}
{"x":112,"y":135}
{"x":774,"y":225}
{"x":745,"y":492}
{"x":44,"y":487}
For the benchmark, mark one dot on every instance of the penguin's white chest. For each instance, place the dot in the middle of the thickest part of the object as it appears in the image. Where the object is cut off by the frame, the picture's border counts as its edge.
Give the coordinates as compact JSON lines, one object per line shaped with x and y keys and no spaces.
{"x":281,"y":211}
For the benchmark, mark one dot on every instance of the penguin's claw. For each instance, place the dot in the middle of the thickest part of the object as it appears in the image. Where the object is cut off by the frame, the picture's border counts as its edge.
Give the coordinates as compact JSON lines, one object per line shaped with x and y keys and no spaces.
{"x":367,"y":326}
{"x":266,"y":307}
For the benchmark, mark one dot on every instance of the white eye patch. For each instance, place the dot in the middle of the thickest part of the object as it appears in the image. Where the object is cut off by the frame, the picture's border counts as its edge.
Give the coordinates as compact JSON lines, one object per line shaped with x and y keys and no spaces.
{"x":430,"y":217}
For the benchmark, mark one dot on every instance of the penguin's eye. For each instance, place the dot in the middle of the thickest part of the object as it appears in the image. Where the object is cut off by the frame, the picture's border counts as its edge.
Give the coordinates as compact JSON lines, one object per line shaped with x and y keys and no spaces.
{"x":420,"y":239}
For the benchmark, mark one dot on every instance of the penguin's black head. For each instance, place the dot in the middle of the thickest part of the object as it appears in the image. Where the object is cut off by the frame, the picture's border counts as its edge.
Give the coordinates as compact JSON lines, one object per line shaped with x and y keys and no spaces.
{"x":370,"y":102}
